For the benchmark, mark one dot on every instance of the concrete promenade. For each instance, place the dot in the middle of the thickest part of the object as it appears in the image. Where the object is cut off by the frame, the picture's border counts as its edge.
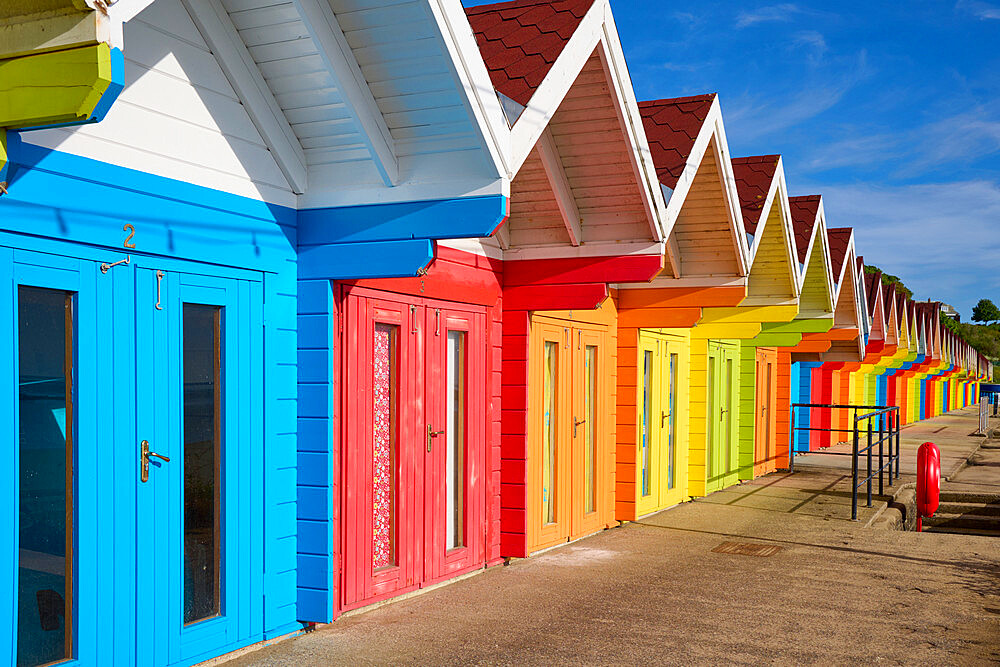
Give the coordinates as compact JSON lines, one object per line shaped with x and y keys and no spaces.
{"x":684,"y":587}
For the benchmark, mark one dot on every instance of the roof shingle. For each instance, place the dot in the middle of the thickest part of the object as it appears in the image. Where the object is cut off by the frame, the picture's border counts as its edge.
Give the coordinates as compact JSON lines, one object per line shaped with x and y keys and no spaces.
{"x":840,"y":238}
{"x":753,"y":181}
{"x":672,"y":126}
{"x":804,"y":212}
{"x":521,"y":40}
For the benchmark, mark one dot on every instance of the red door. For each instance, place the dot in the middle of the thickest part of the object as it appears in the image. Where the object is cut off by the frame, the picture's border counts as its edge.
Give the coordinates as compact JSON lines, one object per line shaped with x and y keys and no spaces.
{"x":414,"y":415}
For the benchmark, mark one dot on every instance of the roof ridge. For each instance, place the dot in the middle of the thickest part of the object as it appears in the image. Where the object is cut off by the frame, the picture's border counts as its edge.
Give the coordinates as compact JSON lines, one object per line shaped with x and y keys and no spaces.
{"x":678,"y":100}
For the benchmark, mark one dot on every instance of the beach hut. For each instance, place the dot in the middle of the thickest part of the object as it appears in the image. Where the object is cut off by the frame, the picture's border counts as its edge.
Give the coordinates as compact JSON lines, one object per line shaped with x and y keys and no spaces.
{"x":667,"y":417}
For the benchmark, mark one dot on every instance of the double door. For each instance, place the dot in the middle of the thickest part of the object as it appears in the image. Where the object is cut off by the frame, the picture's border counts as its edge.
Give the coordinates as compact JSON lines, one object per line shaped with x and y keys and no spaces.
{"x":722,"y":460}
{"x":568,"y":443}
{"x":766,"y":426}
{"x":414,"y":405}
{"x":136,"y":416}
{"x":662,"y":480}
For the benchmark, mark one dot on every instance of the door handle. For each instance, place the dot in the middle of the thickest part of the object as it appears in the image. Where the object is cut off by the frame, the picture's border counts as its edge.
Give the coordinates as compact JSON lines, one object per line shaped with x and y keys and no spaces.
{"x":431,"y":433}
{"x":664,"y":416}
{"x":146,"y":454}
{"x":577,"y":423}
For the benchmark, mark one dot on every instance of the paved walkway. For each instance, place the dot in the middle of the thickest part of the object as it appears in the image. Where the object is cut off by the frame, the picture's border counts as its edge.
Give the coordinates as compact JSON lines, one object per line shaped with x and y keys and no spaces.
{"x":677,"y":588}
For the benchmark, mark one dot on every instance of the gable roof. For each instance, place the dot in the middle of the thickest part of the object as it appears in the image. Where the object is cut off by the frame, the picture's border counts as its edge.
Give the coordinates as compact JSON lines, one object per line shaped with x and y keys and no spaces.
{"x":583,"y":182}
{"x":672,"y":127}
{"x":840,"y":239}
{"x":690,"y":152}
{"x":805,"y":211}
{"x":521,"y":40}
{"x":753,"y":182}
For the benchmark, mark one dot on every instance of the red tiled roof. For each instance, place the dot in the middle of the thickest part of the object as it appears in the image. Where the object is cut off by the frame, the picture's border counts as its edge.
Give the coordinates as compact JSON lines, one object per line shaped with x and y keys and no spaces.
{"x":753,"y":180}
{"x":872,"y":281}
{"x":804,"y":211}
{"x":672,"y":126}
{"x":520,"y":40}
{"x":840,"y":238}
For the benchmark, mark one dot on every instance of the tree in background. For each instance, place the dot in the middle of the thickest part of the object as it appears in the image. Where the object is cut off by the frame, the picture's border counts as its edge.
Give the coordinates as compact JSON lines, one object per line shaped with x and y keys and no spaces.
{"x":985,"y":311}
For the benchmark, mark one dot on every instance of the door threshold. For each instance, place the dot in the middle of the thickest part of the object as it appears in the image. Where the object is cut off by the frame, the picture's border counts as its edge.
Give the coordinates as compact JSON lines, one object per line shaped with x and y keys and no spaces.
{"x":560,"y":545}
{"x":655,"y":512}
{"x":406,"y":596}
{"x":252,"y":648}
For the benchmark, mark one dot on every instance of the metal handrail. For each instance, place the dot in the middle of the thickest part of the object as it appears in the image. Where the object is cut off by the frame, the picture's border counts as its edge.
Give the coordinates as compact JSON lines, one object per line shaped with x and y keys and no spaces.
{"x":888,"y":432}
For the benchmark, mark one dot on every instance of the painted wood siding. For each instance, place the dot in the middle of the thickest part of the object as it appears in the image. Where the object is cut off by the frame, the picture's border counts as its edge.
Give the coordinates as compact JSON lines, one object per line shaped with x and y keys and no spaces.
{"x":703,"y":230}
{"x":590,"y":141}
{"x":203,"y":134}
{"x":771,"y":272}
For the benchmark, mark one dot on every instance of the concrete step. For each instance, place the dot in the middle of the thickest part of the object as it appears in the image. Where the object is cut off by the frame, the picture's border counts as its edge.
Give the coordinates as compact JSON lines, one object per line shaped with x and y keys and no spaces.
{"x":978,"y":509}
{"x":966,"y":497}
{"x":973,"y":521}
{"x":960,"y":531}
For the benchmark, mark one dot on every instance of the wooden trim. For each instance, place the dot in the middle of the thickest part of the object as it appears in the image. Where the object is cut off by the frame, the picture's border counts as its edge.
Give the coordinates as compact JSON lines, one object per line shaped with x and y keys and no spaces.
{"x":69,"y":364}
{"x":217,"y":29}
{"x":561,"y":190}
{"x":337,"y":55}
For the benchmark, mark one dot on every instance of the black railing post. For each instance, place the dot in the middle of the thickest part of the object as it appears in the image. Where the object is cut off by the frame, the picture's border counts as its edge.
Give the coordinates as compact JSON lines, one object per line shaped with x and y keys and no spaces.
{"x":888,"y":435}
{"x":881,"y":463}
{"x":899,"y":423}
{"x":854,"y":473}
{"x":869,"y":484}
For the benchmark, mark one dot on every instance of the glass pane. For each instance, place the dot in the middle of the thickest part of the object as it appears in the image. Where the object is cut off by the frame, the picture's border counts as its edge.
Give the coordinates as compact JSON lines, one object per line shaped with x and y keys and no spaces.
{"x":647,"y":416}
{"x":672,"y":410}
{"x":455,"y":473}
{"x":549,"y":434}
{"x":767,"y":416}
{"x":384,"y":391}
{"x":202,"y":459}
{"x":727,"y":404}
{"x":45,"y":476}
{"x":590,"y":429}
{"x":713,"y":419}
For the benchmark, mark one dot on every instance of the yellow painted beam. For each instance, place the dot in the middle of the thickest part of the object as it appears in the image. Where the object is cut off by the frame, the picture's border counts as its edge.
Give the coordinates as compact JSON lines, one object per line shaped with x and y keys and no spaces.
{"x":61,"y":87}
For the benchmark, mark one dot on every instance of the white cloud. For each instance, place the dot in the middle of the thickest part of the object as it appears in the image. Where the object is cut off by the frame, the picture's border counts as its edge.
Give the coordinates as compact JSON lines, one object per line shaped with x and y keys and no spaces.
{"x":939,"y":238}
{"x":981,"y":10}
{"x":770,"y":14}
{"x":811,"y":39}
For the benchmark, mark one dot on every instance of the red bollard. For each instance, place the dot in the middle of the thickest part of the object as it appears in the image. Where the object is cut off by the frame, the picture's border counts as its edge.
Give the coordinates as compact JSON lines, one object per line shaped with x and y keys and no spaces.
{"x":928,"y":481}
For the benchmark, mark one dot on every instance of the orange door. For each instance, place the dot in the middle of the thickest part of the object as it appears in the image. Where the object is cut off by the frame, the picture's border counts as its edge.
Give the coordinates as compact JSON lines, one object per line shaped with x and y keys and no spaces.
{"x":765,"y":432}
{"x":569,"y":462}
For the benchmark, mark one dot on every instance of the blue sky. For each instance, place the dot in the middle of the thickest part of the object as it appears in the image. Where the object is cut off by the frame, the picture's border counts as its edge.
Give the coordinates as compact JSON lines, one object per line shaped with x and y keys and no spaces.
{"x":891,"y":111}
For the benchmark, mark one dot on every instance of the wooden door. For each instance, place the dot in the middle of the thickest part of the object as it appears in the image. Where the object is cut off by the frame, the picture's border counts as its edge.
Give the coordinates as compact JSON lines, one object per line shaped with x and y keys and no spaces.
{"x":454,"y":509}
{"x":414,"y":408}
{"x":649,"y":450}
{"x":589,"y":414}
{"x":723,"y":417}
{"x":551,"y":467}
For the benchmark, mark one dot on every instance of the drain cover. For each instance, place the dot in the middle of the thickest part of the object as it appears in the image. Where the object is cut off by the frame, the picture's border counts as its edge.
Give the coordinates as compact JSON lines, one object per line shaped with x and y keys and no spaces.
{"x":747,"y":549}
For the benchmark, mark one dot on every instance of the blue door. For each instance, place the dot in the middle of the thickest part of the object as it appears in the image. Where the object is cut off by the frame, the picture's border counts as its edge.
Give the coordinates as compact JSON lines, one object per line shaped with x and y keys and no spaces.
{"x":131,"y":396}
{"x":199,"y":409}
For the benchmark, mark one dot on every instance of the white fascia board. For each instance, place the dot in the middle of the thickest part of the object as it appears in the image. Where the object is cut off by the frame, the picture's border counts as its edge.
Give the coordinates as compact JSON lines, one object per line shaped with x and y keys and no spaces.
{"x":627,"y":107}
{"x":551,"y":92}
{"x":561,"y":190}
{"x":822,"y":242}
{"x":713,"y":128}
{"x":220,"y":34}
{"x":337,"y":55}
{"x":563,"y":251}
{"x":470,"y":69}
{"x":781,"y":198}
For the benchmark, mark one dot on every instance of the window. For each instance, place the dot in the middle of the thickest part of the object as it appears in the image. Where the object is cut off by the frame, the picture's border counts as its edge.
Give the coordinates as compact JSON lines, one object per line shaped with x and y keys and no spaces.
{"x":549,"y":434}
{"x":46,"y":452}
{"x":455,"y":464}
{"x":202,"y":459}
{"x":385,"y":397}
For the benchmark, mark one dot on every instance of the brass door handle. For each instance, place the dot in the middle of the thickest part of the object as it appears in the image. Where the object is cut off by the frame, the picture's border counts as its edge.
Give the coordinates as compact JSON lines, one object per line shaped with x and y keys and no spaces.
{"x":431,"y":433}
{"x":663,"y":418}
{"x":146,"y":453}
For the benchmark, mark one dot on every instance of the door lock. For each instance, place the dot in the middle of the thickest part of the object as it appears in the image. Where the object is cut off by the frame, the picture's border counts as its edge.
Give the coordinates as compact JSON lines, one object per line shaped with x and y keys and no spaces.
{"x":431,"y":433}
{"x":146,"y":453}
